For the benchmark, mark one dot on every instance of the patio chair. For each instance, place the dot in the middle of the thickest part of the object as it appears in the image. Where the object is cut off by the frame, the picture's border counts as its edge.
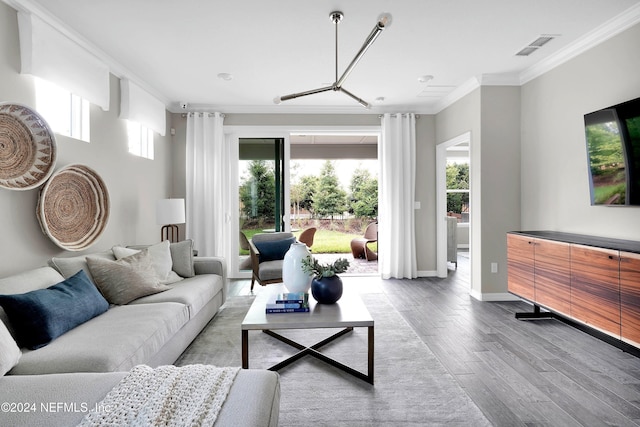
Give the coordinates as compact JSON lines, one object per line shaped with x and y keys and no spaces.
{"x":267,"y":252}
{"x":306,"y":236}
{"x":359,"y":248}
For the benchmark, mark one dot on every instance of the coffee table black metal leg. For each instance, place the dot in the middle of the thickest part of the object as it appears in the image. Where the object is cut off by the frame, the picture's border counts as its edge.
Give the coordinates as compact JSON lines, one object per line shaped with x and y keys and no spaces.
{"x":371,"y":353}
{"x":312,"y":351}
{"x":245,"y":349}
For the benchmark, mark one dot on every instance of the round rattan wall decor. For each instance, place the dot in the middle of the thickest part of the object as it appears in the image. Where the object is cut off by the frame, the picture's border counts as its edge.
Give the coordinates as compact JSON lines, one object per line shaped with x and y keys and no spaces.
{"x":73,"y":207}
{"x":27,"y":148}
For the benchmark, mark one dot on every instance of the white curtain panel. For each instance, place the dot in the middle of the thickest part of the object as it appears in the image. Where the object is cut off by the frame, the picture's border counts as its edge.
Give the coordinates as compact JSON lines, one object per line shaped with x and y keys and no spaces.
{"x":396,"y":219}
{"x":207,"y":177}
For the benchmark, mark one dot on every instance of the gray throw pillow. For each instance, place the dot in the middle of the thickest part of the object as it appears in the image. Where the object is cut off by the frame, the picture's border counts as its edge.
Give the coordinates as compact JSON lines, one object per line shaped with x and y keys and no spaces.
{"x":161,"y":257}
{"x":9,"y":351}
{"x":127,"y":279}
{"x":182,"y":256}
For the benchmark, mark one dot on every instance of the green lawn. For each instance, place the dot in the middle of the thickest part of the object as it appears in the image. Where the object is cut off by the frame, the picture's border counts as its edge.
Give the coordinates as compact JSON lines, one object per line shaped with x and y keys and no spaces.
{"x":324,"y":242}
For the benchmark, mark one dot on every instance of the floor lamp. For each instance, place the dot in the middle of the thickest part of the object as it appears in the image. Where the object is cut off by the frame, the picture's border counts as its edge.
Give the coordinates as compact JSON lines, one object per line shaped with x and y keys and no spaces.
{"x":170,"y":212}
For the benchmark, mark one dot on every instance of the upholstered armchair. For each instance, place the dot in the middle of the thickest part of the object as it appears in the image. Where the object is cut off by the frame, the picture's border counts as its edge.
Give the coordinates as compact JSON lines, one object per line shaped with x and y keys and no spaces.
{"x":267,"y":252}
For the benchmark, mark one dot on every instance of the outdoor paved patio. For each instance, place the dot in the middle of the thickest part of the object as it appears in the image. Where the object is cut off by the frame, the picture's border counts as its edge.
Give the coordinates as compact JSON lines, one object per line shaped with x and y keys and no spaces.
{"x":357,"y":266}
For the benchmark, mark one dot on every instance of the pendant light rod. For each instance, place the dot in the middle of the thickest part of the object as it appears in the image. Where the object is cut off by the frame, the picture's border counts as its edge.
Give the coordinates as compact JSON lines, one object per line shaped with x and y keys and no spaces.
{"x":362,"y":102}
{"x":336,"y":17}
{"x":384,"y":21}
{"x":308,"y":92}
{"x":365,"y":46}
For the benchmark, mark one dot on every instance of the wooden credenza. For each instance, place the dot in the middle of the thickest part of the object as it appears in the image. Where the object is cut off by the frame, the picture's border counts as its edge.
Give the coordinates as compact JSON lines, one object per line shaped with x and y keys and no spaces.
{"x":591,"y":281}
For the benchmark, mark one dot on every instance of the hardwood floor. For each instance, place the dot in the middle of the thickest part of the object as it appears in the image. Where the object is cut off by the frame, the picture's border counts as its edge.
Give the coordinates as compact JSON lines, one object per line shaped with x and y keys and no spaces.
{"x":519,"y":373}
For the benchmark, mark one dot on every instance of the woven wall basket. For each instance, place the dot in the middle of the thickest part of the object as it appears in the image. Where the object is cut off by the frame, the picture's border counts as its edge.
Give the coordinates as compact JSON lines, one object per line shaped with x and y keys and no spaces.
{"x":73,"y":208}
{"x":27,"y":148}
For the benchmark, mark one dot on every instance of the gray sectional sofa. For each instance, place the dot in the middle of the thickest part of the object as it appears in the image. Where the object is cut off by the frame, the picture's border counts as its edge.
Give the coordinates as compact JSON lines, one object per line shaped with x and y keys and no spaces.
{"x":82,"y":364}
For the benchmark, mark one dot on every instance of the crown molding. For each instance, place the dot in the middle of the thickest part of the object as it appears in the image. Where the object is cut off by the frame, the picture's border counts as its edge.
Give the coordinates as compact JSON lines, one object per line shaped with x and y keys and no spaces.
{"x":503,"y":79}
{"x":613,"y":27}
{"x":299,"y":109}
{"x":458,"y":93}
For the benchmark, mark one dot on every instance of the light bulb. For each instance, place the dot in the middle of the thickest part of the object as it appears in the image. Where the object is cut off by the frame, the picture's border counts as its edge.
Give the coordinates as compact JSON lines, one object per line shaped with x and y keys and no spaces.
{"x":384,"y":20}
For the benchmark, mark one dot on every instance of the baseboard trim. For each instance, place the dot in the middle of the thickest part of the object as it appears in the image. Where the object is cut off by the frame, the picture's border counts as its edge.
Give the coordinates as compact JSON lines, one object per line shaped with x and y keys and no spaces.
{"x":493,"y":296}
{"x":427,"y":273}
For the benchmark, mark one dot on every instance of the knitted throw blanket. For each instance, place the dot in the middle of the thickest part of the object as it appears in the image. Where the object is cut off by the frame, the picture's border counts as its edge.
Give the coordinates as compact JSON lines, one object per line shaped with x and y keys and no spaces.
{"x":166,"y":396}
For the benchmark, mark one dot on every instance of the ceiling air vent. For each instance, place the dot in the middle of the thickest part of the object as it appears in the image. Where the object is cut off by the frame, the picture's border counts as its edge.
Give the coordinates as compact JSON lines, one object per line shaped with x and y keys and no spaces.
{"x":536,"y":44}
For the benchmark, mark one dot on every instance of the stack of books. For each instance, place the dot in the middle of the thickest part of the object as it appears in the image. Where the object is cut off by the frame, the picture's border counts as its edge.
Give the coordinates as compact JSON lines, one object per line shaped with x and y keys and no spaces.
{"x":289,"y":302}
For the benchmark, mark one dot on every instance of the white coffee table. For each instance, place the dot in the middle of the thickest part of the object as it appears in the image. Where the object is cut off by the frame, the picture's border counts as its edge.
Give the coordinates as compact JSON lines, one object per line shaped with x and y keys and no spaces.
{"x":348,"y":313}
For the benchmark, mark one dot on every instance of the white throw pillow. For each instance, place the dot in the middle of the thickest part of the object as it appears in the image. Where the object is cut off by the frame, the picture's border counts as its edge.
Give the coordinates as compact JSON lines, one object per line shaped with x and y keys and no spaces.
{"x":161,"y":257}
{"x":9,"y":351}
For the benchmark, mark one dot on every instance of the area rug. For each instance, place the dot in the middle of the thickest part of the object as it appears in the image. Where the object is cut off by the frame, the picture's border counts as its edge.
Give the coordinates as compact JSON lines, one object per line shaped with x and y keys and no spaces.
{"x":411,"y":386}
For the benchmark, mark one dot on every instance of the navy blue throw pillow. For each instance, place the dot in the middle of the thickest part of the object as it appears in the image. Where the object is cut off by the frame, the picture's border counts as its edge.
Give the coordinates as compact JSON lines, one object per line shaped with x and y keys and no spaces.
{"x":274,"y":249}
{"x":42,"y":315}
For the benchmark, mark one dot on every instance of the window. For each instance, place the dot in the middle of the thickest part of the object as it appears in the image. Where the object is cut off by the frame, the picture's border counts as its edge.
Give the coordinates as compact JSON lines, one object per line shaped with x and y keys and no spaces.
{"x":140,"y":140}
{"x":67,"y":114}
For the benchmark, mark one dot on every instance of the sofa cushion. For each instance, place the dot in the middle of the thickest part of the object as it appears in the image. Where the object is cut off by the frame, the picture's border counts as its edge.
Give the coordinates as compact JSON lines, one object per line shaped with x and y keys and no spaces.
{"x":78,"y":392}
{"x":161,"y":257}
{"x":194,"y":292}
{"x":9,"y":350}
{"x":118,"y":340}
{"x":270,"y":270}
{"x":124,"y":280}
{"x":40,"y":316}
{"x":274,"y":249}
{"x":70,"y":266}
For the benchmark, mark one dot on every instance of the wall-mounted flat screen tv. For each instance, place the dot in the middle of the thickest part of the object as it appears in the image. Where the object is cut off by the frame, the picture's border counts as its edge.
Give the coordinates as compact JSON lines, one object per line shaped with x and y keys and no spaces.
{"x":613,"y":151}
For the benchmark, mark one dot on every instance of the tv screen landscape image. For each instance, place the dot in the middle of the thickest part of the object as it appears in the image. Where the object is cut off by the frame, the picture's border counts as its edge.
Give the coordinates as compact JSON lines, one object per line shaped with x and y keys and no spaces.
{"x":613,"y":152}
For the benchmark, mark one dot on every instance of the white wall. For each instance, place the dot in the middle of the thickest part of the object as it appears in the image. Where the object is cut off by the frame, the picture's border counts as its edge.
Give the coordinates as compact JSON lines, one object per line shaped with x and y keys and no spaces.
{"x":492,"y":115}
{"x":133,"y":183}
{"x":555,"y":189}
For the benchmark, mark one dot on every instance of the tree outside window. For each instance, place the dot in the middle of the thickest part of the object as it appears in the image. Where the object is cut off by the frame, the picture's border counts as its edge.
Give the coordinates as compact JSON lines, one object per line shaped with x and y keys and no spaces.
{"x":458,"y":191}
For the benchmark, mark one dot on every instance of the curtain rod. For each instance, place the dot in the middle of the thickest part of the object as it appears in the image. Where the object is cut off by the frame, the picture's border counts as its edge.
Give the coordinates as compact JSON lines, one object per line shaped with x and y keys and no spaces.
{"x":183,"y":115}
{"x":401,"y":114}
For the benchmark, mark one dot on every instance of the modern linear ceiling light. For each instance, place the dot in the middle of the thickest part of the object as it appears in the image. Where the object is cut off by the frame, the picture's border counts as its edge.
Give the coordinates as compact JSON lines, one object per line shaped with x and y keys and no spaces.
{"x":384,"y":21}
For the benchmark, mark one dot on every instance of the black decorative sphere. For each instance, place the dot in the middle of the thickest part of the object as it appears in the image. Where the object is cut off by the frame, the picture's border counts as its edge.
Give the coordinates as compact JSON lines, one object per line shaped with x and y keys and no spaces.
{"x":326,"y":290}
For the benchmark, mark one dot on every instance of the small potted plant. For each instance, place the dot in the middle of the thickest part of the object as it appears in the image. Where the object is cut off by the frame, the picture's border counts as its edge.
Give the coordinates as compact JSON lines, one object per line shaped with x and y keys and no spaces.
{"x":326,"y":286}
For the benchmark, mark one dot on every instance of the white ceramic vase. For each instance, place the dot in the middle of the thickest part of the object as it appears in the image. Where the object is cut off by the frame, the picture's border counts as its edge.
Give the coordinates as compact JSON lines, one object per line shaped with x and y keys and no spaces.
{"x":294,"y":278}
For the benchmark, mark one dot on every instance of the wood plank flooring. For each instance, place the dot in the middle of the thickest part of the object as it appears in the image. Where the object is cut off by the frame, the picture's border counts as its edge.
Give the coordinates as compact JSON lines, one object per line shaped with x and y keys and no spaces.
{"x":519,"y":373}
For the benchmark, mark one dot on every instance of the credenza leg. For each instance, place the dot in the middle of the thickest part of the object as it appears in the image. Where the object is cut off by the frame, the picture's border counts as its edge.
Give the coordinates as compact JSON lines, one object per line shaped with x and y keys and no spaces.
{"x":537,"y":314}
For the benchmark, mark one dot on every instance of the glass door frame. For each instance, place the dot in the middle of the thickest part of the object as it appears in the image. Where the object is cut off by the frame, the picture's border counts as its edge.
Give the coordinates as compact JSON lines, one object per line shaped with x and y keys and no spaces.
{"x":233,"y":134}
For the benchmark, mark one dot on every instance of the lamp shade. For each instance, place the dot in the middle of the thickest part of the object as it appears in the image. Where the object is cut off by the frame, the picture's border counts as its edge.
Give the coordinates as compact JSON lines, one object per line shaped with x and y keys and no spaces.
{"x":170,"y":211}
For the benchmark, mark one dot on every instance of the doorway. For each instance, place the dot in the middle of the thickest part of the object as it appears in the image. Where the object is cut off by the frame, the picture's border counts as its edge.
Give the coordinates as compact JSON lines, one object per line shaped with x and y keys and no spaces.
{"x":277,"y":153}
{"x":451,"y":202}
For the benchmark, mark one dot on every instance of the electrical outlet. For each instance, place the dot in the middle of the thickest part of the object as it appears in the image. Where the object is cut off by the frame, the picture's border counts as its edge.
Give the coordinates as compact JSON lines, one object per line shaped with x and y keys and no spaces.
{"x":494,"y":267}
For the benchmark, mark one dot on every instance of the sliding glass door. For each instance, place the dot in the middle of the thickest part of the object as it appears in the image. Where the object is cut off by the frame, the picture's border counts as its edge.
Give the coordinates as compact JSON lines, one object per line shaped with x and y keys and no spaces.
{"x":262,"y":191}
